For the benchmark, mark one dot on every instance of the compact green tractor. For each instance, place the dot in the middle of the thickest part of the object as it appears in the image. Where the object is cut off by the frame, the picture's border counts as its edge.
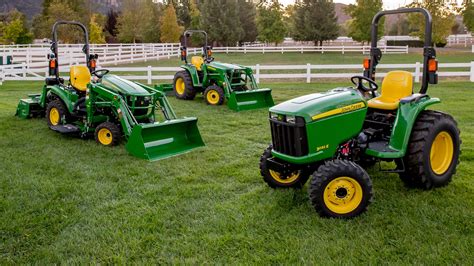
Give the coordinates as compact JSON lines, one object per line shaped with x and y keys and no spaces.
{"x":110,"y":108}
{"x":332,"y":136}
{"x":218,"y":81}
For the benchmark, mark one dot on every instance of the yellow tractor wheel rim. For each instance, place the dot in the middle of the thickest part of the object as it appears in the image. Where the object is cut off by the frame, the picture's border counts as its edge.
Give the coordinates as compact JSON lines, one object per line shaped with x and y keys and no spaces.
{"x":104,"y":136}
{"x":441,"y":154}
{"x":277,"y":177}
{"x":343,"y":195}
{"x":54,"y":116}
{"x":180,"y":86}
{"x":212,"y":97}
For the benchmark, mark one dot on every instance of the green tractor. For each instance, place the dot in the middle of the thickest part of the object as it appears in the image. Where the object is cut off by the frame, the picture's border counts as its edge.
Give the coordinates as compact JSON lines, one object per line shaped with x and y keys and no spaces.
{"x":333,"y":136}
{"x":218,"y":81}
{"x":110,"y":108}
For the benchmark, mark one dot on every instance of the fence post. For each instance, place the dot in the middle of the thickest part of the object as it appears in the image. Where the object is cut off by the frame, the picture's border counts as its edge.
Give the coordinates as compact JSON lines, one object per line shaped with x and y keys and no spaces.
{"x":342,"y":49}
{"x":257,"y":73}
{"x":472,"y":71}
{"x":308,"y":73}
{"x":2,"y":75}
{"x":149,"y":74}
{"x":227,"y":50}
{"x":406,"y":49}
{"x":301,"y":49}
{"x":263,"y":49}
{"x":282,"y":50}
{"x":23,"y":69}
{"x":245,"y":49}
{"x":417,"y":72}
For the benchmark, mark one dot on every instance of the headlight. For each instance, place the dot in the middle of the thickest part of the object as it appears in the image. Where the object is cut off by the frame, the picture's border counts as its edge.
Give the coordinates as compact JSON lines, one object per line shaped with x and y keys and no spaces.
{"x":273,"y":116}
{"x":291,"y":119}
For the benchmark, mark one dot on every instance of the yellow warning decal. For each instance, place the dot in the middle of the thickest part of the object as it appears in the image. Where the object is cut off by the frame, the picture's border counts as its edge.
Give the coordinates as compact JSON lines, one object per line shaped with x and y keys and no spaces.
{"x":344,"y":109}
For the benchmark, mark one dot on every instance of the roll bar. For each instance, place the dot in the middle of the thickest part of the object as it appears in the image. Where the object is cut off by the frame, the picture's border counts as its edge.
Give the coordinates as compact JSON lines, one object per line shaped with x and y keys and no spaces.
{"x":205,"y":48}
{"x":428,"y":50}
{"x":54,"y":45}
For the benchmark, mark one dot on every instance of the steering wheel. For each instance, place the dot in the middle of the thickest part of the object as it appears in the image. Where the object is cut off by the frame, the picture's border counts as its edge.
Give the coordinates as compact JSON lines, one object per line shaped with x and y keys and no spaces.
{"x":357,"y":80}
{"x":100,"y":73}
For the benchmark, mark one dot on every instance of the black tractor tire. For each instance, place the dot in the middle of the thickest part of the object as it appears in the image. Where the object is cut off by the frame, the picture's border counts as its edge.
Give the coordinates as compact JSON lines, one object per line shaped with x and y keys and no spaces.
{"x":108,"y":134}
{"x":188,"y":92}
{"x":274,"y":179}
{"x":56,"y":113}
{"x":214,"y":95}
{"x":421,"y":169}
{"x":340,"y":189}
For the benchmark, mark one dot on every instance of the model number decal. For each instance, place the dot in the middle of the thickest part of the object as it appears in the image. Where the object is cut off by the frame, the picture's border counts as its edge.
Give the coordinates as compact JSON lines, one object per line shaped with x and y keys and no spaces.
{"x":324,"y":147}
{"x":341,"y":110}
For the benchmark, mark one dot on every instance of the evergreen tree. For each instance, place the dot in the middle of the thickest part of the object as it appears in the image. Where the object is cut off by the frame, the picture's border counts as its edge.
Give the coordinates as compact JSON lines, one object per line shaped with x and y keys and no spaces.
{"x":111,"y":25}
{"x":362,"y":13}
{"x":247,"y":18}
{"x":468,"y":14}
{"x":130,"y":21}
{"x":315,"y":20}
{"x":151,"y":22}
{"x":170,"y":30}
{"x":443,"y":16}
{"x":96,"y":32}
{"x":222,"y":25}
{"x":271,"y":27}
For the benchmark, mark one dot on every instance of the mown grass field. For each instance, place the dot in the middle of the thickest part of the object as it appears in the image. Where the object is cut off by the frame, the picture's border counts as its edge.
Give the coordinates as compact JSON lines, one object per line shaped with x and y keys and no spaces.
{"x":67,"y":200}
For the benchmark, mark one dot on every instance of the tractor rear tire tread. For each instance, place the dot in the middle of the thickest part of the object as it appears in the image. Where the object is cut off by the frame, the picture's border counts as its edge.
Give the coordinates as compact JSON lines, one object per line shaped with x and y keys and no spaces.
{"x":61,"y":107}
{"x":189,"y":90}
{"x":418,"y":173}
{"x":338,"y":168}
{"x":264,"y":172}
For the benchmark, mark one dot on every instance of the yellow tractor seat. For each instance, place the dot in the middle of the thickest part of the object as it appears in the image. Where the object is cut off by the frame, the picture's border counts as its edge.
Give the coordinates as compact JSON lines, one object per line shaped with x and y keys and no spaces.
{"x":197,"y":61}
{"x":395,"y":86}
{"x":79,"y":77}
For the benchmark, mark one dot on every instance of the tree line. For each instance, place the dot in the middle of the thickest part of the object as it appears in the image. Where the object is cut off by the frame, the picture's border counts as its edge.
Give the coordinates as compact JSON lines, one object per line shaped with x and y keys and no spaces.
{"x":227,"y":22}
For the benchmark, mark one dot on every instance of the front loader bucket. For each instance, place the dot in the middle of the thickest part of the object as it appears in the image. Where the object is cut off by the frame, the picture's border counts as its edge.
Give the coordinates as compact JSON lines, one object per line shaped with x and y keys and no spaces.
{"x":157,"y":141}
{"x":251,"y":99}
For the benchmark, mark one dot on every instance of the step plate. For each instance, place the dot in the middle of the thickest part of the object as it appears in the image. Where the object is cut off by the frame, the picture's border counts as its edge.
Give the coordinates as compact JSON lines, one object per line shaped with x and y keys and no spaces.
{"x":66,"y":129}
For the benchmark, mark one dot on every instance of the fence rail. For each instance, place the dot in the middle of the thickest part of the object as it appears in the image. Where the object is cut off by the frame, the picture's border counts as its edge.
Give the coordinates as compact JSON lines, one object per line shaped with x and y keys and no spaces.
{"x":306,"y":72}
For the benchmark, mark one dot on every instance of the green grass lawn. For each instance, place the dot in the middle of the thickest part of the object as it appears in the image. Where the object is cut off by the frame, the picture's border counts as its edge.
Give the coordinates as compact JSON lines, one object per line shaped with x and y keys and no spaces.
{"x":67,"y":200}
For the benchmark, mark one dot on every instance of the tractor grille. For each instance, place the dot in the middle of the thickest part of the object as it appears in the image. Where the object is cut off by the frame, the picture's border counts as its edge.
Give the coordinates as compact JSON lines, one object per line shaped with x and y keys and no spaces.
{"x":140,"y":107}
{"x":288,"y":138}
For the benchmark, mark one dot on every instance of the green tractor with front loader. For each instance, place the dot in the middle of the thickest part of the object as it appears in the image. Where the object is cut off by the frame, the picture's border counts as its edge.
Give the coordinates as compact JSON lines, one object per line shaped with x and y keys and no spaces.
{"x":218,"y":82}
{"x":110,"y":108}
{"x":332,"y":136}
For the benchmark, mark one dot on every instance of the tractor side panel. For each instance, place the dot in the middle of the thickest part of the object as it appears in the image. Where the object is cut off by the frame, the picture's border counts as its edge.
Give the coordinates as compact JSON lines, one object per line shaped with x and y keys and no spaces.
{"x":406,"y":118}
{"x":194,"y":75}
{"x":68,"y":98}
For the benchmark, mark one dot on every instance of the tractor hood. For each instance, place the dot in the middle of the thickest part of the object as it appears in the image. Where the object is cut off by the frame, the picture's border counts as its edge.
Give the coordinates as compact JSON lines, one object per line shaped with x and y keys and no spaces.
{"x":224,"y":66}
{"x":123,"y":86}
{"x":319,"y":105}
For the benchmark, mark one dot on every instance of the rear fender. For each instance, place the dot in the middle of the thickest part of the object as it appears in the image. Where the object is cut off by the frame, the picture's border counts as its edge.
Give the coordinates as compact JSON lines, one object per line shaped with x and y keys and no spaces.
{"x":68,"y":98}
{"x":406,"y":117}
{"x":194,"y":75}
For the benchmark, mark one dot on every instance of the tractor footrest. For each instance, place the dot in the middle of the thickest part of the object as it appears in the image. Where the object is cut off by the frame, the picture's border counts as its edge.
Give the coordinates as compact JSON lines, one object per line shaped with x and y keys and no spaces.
{"x":380,"y":146}
{"x":66,"y":129}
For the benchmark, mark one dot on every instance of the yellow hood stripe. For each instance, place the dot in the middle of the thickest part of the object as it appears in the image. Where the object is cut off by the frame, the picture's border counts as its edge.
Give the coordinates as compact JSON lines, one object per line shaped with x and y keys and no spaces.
{"x":344,"y":109}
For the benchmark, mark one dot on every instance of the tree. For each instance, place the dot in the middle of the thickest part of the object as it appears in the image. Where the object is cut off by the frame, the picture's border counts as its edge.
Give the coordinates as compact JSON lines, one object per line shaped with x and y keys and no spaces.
{"x":315,"y":20}
{"x":402,"y":27}
{"x":130,"y":20}
{"x":271,"y":27}
{"x":60,"y":10}
{"x":170,"y":30}
{"x":247,"y":18}
{"x":362,"y":13}
{"x":110,"y":25}
{"x":151,"y":22}
{"x":221,"y":24}
{"x":443,"y":19}
{"x":13,"y":30}
{"x":468,"y":14}
{"x":96,"y":32}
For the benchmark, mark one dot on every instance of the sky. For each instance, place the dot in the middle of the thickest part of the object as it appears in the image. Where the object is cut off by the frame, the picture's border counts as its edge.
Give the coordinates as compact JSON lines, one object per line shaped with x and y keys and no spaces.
{"x":388,"y":4}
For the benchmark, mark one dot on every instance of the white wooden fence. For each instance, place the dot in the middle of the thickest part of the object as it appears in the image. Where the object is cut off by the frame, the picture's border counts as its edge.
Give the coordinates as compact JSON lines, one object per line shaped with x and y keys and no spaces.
{"x":306,"y":72}
{"x":306,"y":49}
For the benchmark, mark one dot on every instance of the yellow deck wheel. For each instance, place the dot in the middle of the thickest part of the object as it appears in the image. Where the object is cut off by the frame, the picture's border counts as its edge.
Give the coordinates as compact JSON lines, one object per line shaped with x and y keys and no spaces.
{"x":105,"y":136}
{"x":441,"y":154}
{"x":180,"y":86}
{"x":54,"y":116}
{"x":343,"y":195}
{"x":277,"y":176}
{"x":212,"y":97}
